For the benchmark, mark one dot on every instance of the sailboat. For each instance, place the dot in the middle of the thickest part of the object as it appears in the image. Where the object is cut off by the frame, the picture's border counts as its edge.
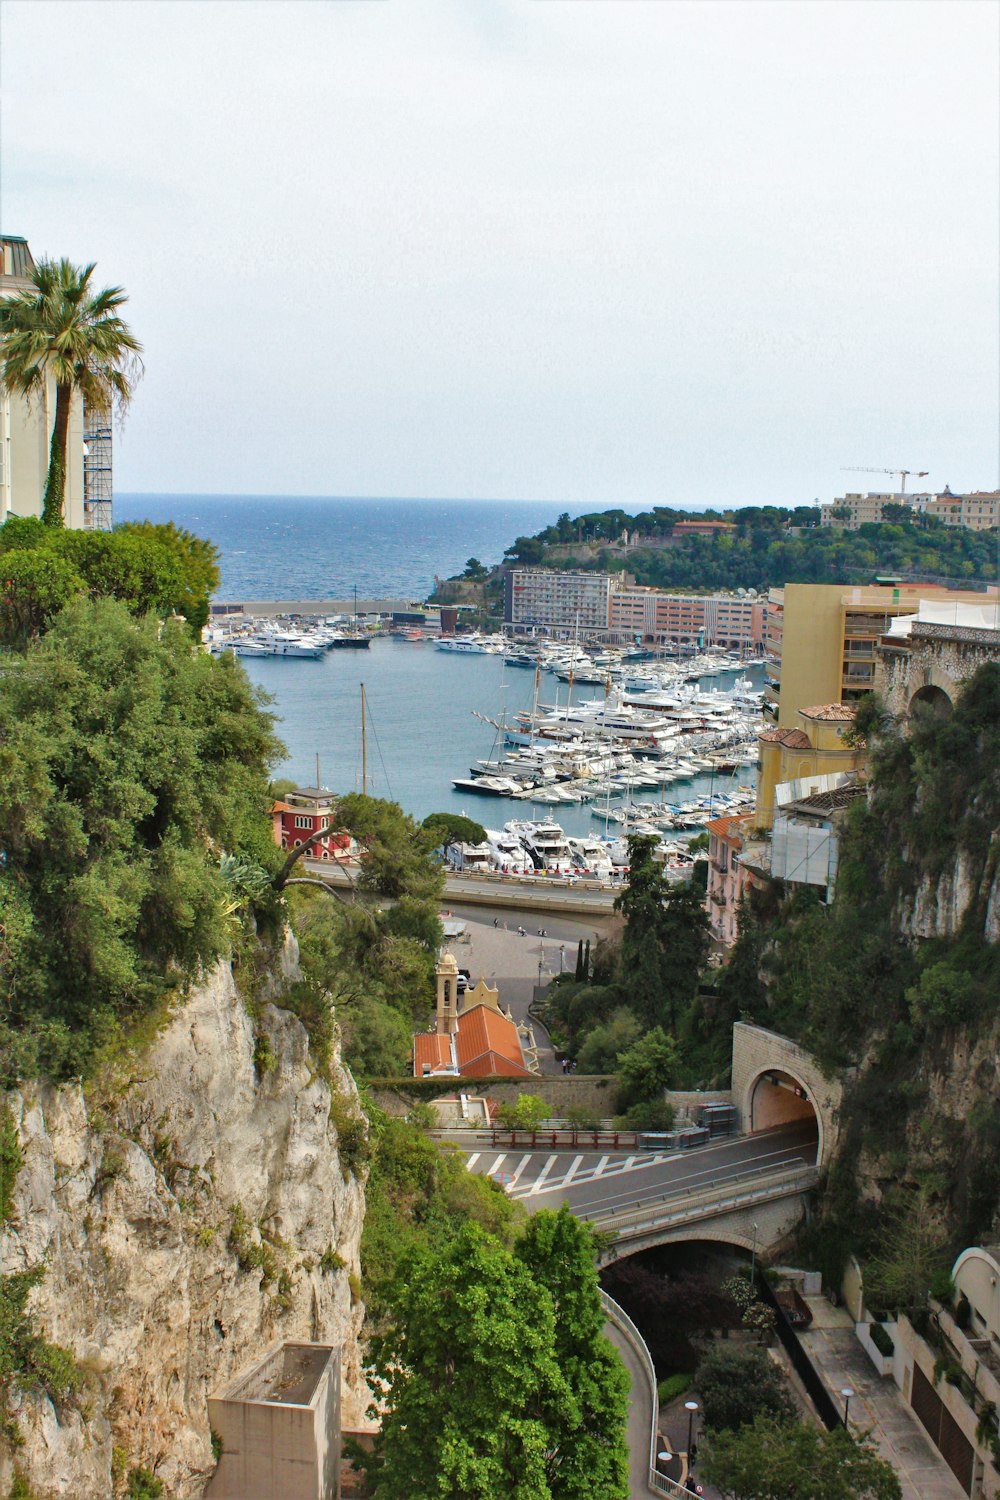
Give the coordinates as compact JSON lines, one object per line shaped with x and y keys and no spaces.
{"x":354,"y":640}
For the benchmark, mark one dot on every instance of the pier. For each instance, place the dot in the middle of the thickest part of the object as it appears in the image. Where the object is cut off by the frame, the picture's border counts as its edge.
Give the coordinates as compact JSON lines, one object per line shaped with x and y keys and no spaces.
{"x":541,"y":893}
{"x":270,"y":609}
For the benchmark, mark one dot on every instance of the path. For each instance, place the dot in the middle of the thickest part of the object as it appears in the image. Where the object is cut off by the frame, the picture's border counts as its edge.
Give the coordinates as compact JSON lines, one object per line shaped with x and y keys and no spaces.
{"x":640,"y":1415}
{"x":877,"y":1405}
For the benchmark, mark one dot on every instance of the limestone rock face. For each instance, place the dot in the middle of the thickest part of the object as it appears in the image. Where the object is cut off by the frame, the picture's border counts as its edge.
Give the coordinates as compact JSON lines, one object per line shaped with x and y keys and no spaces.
{"x":143,"y":1200}
{"x":939,"y":905}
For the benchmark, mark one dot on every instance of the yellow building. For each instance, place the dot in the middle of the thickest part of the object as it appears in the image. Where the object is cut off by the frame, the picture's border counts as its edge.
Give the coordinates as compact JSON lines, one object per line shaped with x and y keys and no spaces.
{"x":821,"y":640}
{"x":815,"y":746}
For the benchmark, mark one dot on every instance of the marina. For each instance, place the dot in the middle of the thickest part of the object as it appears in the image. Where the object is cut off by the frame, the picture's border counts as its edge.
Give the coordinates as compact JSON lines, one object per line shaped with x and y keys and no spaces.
{"x":440,"y":717}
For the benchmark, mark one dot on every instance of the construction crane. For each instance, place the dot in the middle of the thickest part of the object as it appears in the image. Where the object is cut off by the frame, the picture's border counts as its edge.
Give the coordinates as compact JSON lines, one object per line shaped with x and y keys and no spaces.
{"x":904,"y":474}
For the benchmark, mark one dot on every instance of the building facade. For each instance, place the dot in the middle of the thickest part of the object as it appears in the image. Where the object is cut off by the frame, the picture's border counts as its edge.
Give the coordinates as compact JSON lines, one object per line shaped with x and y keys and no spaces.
{"x":26,"y":432}
{"x":732,"y":621}
{"x":977,"y":511}
{"x":547,"y":600}
{"x":818,"y":745}
{"x":727,"y":877}
{"x":821,"y":640}
{"x":298,"y":815}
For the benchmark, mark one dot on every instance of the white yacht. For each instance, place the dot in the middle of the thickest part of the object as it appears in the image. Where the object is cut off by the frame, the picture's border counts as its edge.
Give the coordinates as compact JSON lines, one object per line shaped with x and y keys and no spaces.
{"x":591,"y":857}
{"x":508,"y":855}
{"x":546,"y":845}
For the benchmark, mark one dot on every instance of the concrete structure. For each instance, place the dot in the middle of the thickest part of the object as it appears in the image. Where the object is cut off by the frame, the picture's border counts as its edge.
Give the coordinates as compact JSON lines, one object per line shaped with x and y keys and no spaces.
{"x":817,"y":746}
{"x":300,"y":813}
{"x":703,"y":528}
{"x":472,"y":1036}
{"x":26,"y":429}
{"x":555,"y":602}
{"x":925,"y":658}
{"x":805,"y":840}
{"x":280,"y":1428}
{"x":821,"y":639}
{"x":727,"y":877}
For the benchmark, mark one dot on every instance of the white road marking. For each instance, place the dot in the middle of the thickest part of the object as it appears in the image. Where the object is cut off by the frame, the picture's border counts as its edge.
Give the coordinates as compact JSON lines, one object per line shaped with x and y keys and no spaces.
{"x":600,"y":1166}
{"x":496,"y":1164}
{"x":570,"y":1174}
{"x":519,"y":1169}
{"x":472,"y":1160}
{"x":543,"y":1174}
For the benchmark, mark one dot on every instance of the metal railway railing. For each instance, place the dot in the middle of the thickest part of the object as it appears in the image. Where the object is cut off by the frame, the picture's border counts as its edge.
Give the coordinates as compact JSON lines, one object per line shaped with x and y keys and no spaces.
{"x":661,"y":1483}
{"x":701,"y":1203}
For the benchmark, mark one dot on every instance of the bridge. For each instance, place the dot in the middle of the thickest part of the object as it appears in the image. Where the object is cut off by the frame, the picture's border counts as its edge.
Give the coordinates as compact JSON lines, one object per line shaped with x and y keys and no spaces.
{"x":746,"y":1191}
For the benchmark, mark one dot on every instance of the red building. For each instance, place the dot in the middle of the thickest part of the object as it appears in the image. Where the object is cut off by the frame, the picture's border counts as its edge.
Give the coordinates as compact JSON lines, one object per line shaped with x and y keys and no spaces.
{"x":299,"y":814}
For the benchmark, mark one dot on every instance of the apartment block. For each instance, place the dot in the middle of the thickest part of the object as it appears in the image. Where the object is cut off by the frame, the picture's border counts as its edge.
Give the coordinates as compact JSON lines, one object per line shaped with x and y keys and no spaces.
{"x":730,"y":620}
{"x":26,"y":431}
{"x":555,"y":602}
{"x":821,"y":640}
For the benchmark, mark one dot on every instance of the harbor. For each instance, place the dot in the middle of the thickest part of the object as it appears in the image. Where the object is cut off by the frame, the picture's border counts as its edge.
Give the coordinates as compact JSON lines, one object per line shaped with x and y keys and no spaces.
{"x":433,"y":717}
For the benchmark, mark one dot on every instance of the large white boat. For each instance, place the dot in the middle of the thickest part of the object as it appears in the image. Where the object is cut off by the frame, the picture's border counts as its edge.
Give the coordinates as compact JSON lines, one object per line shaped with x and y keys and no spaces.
{"x":469,"y":645}
{"x":289,"y":643}
{"x":545,"y":844}
{"x":508,"y":855}
{"x":591,"y":857}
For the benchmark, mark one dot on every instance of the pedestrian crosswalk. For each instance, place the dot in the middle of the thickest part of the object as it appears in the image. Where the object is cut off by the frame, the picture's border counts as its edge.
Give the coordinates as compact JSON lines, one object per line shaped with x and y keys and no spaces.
{"x":531,"y":1176}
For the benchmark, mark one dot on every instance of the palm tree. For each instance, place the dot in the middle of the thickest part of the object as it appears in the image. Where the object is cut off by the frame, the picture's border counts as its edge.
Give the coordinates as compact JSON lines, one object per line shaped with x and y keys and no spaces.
{"x":62,"y":329}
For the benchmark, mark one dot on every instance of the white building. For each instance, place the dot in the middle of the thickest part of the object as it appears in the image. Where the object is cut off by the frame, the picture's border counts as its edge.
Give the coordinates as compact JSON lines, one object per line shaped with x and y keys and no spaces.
{"x":26,"y":432}
{"x":555,"y":602}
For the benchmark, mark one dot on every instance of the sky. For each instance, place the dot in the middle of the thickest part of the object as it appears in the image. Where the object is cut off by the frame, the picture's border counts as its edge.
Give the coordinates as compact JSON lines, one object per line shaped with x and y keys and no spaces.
{"x":600,"y":252}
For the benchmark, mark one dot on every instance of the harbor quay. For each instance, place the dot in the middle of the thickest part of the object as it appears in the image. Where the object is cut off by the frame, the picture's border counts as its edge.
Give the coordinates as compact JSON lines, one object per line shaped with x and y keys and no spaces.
{"x":272,"y":609}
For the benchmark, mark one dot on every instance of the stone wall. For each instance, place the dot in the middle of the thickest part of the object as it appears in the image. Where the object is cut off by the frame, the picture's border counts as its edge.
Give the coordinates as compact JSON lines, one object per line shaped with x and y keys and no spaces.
{"x":757,"y":1051}
{"x":941,"y":656}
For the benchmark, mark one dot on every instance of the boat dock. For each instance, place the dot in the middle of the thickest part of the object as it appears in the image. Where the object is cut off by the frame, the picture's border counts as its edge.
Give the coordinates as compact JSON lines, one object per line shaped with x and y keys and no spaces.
{"x":270,"y":609}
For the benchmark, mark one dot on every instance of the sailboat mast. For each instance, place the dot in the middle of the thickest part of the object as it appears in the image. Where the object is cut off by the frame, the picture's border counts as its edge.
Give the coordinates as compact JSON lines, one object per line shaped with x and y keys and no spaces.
{"x":364,"y":747}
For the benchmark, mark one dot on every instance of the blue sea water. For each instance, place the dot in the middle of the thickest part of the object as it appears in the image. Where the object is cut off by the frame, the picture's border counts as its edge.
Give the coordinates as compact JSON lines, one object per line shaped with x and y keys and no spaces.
{"x":423,"y":705}
{"x":306,"y":547}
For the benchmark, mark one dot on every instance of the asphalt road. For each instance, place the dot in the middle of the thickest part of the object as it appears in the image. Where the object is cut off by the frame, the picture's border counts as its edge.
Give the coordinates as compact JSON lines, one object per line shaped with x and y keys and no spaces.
{"x":596,"y":1184}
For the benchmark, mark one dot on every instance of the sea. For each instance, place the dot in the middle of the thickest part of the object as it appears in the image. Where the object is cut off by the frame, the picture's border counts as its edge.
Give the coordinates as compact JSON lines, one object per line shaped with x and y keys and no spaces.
{"x":430,"y":715}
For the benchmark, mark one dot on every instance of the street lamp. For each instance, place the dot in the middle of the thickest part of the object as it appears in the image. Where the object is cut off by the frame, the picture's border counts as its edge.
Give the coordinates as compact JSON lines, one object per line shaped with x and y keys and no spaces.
{"x":690,"y":1407}
{"x":847,"y":1392}
{"x":664,"y":1457}
{"x":753,"y":1258}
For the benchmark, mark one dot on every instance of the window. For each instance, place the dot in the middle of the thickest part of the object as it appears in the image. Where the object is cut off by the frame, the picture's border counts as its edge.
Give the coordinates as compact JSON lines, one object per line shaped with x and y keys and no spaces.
{"x":303,"y":822}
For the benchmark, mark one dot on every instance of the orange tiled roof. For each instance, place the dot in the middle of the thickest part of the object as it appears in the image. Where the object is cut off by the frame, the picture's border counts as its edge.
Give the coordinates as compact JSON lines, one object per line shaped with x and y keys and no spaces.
{"x":837,"y":713}
{"x":488,"y":1043}
{"x":430,"y":1050}
{"x":728,"y":828}
{"x":795,"y":739}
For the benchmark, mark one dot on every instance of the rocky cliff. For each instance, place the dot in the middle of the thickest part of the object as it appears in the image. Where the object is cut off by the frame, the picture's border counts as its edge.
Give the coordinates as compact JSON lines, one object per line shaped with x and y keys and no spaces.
{"x":190,"y":1216}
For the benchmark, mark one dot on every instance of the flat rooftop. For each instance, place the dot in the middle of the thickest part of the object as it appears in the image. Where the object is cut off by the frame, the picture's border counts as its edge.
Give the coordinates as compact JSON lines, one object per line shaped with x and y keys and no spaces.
{"x":288,"y":1376}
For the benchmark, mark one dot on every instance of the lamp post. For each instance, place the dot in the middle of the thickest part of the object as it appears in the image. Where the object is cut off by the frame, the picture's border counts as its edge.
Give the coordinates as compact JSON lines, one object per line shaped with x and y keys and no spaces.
{"x":753,"y":1258}
{"x":690,"y":1407}
{"x":847,"y":1392}
{"x":663,"y":1457}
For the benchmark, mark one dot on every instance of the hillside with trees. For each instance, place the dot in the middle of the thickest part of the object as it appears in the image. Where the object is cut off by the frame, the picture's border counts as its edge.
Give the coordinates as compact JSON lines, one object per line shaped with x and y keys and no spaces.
{"x":768,"y":547}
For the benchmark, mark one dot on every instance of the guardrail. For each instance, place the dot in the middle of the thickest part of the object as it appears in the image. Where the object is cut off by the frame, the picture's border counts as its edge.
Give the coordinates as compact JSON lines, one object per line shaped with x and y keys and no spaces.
{"x":617,"y":1315}
{"x":700,"y":1203}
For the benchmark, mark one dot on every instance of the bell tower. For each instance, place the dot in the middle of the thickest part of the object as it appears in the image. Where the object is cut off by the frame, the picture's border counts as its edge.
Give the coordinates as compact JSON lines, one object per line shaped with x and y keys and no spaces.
{"x":446,"y":971}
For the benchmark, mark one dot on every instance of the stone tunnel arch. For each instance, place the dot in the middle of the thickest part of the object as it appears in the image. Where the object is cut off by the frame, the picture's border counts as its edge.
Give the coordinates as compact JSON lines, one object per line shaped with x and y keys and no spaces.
{"x":775,"y":1081}
{"x":931,"y":699}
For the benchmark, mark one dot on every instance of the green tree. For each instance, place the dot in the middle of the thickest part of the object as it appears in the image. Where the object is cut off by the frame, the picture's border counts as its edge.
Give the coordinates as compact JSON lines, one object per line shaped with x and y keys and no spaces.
{"x":527,"y":1114}
{"x":475,"y":570}
{"x":395,"y":860}
{"x":590,"y":1461}
{"x":64,"y":331}
{"x":776,"y":1460}
{"x":471,"y":1385}
{"x":737,"y":1385}
{"x":647,"y":1068}
{"x":666,"y":938}
{"x":130,"y":766}
{"x":452,"y":828}
{"x":605,"y":1042}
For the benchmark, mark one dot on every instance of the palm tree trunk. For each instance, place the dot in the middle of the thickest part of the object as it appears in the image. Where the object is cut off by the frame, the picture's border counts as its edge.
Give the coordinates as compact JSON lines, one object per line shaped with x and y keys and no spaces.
{"x":55,"y":483}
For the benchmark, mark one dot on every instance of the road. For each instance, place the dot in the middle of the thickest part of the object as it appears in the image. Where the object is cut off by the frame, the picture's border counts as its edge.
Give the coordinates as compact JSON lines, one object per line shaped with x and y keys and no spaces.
{"x":514,"y":964}
{"x":531,"y":895}
{"x":596,"y":1184}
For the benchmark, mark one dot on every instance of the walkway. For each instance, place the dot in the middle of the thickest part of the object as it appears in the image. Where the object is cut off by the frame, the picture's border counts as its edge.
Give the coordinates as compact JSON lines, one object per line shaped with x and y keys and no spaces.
{"x":876,"y":1406}
{"x":640,"y":1415}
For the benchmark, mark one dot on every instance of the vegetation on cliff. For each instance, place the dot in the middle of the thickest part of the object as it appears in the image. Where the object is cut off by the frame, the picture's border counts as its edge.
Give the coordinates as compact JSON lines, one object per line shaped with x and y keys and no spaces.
{"x":915,"y":1016}
{"x":134,"y":839}
{"x":761,"y":551}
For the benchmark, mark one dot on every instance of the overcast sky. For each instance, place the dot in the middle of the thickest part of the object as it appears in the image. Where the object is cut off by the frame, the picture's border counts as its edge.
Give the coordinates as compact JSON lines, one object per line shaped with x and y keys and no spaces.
{"x":595,"y":251}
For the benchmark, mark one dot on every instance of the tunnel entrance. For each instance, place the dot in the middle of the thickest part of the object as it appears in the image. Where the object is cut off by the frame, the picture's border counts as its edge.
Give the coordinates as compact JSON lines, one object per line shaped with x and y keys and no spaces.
{"x":932,"y":701}
{"x":778,"y":1098}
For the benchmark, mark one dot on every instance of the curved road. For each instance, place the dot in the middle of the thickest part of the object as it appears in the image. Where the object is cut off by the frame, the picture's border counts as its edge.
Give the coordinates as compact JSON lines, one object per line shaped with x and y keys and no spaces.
{"x":600,"y":1184}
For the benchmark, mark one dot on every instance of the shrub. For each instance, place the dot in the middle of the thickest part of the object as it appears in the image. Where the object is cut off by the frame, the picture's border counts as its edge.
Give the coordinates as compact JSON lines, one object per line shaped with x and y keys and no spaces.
{"x":673,"y":1386}
{"x":144,"y":1485}
{"x":10,"y":1162}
